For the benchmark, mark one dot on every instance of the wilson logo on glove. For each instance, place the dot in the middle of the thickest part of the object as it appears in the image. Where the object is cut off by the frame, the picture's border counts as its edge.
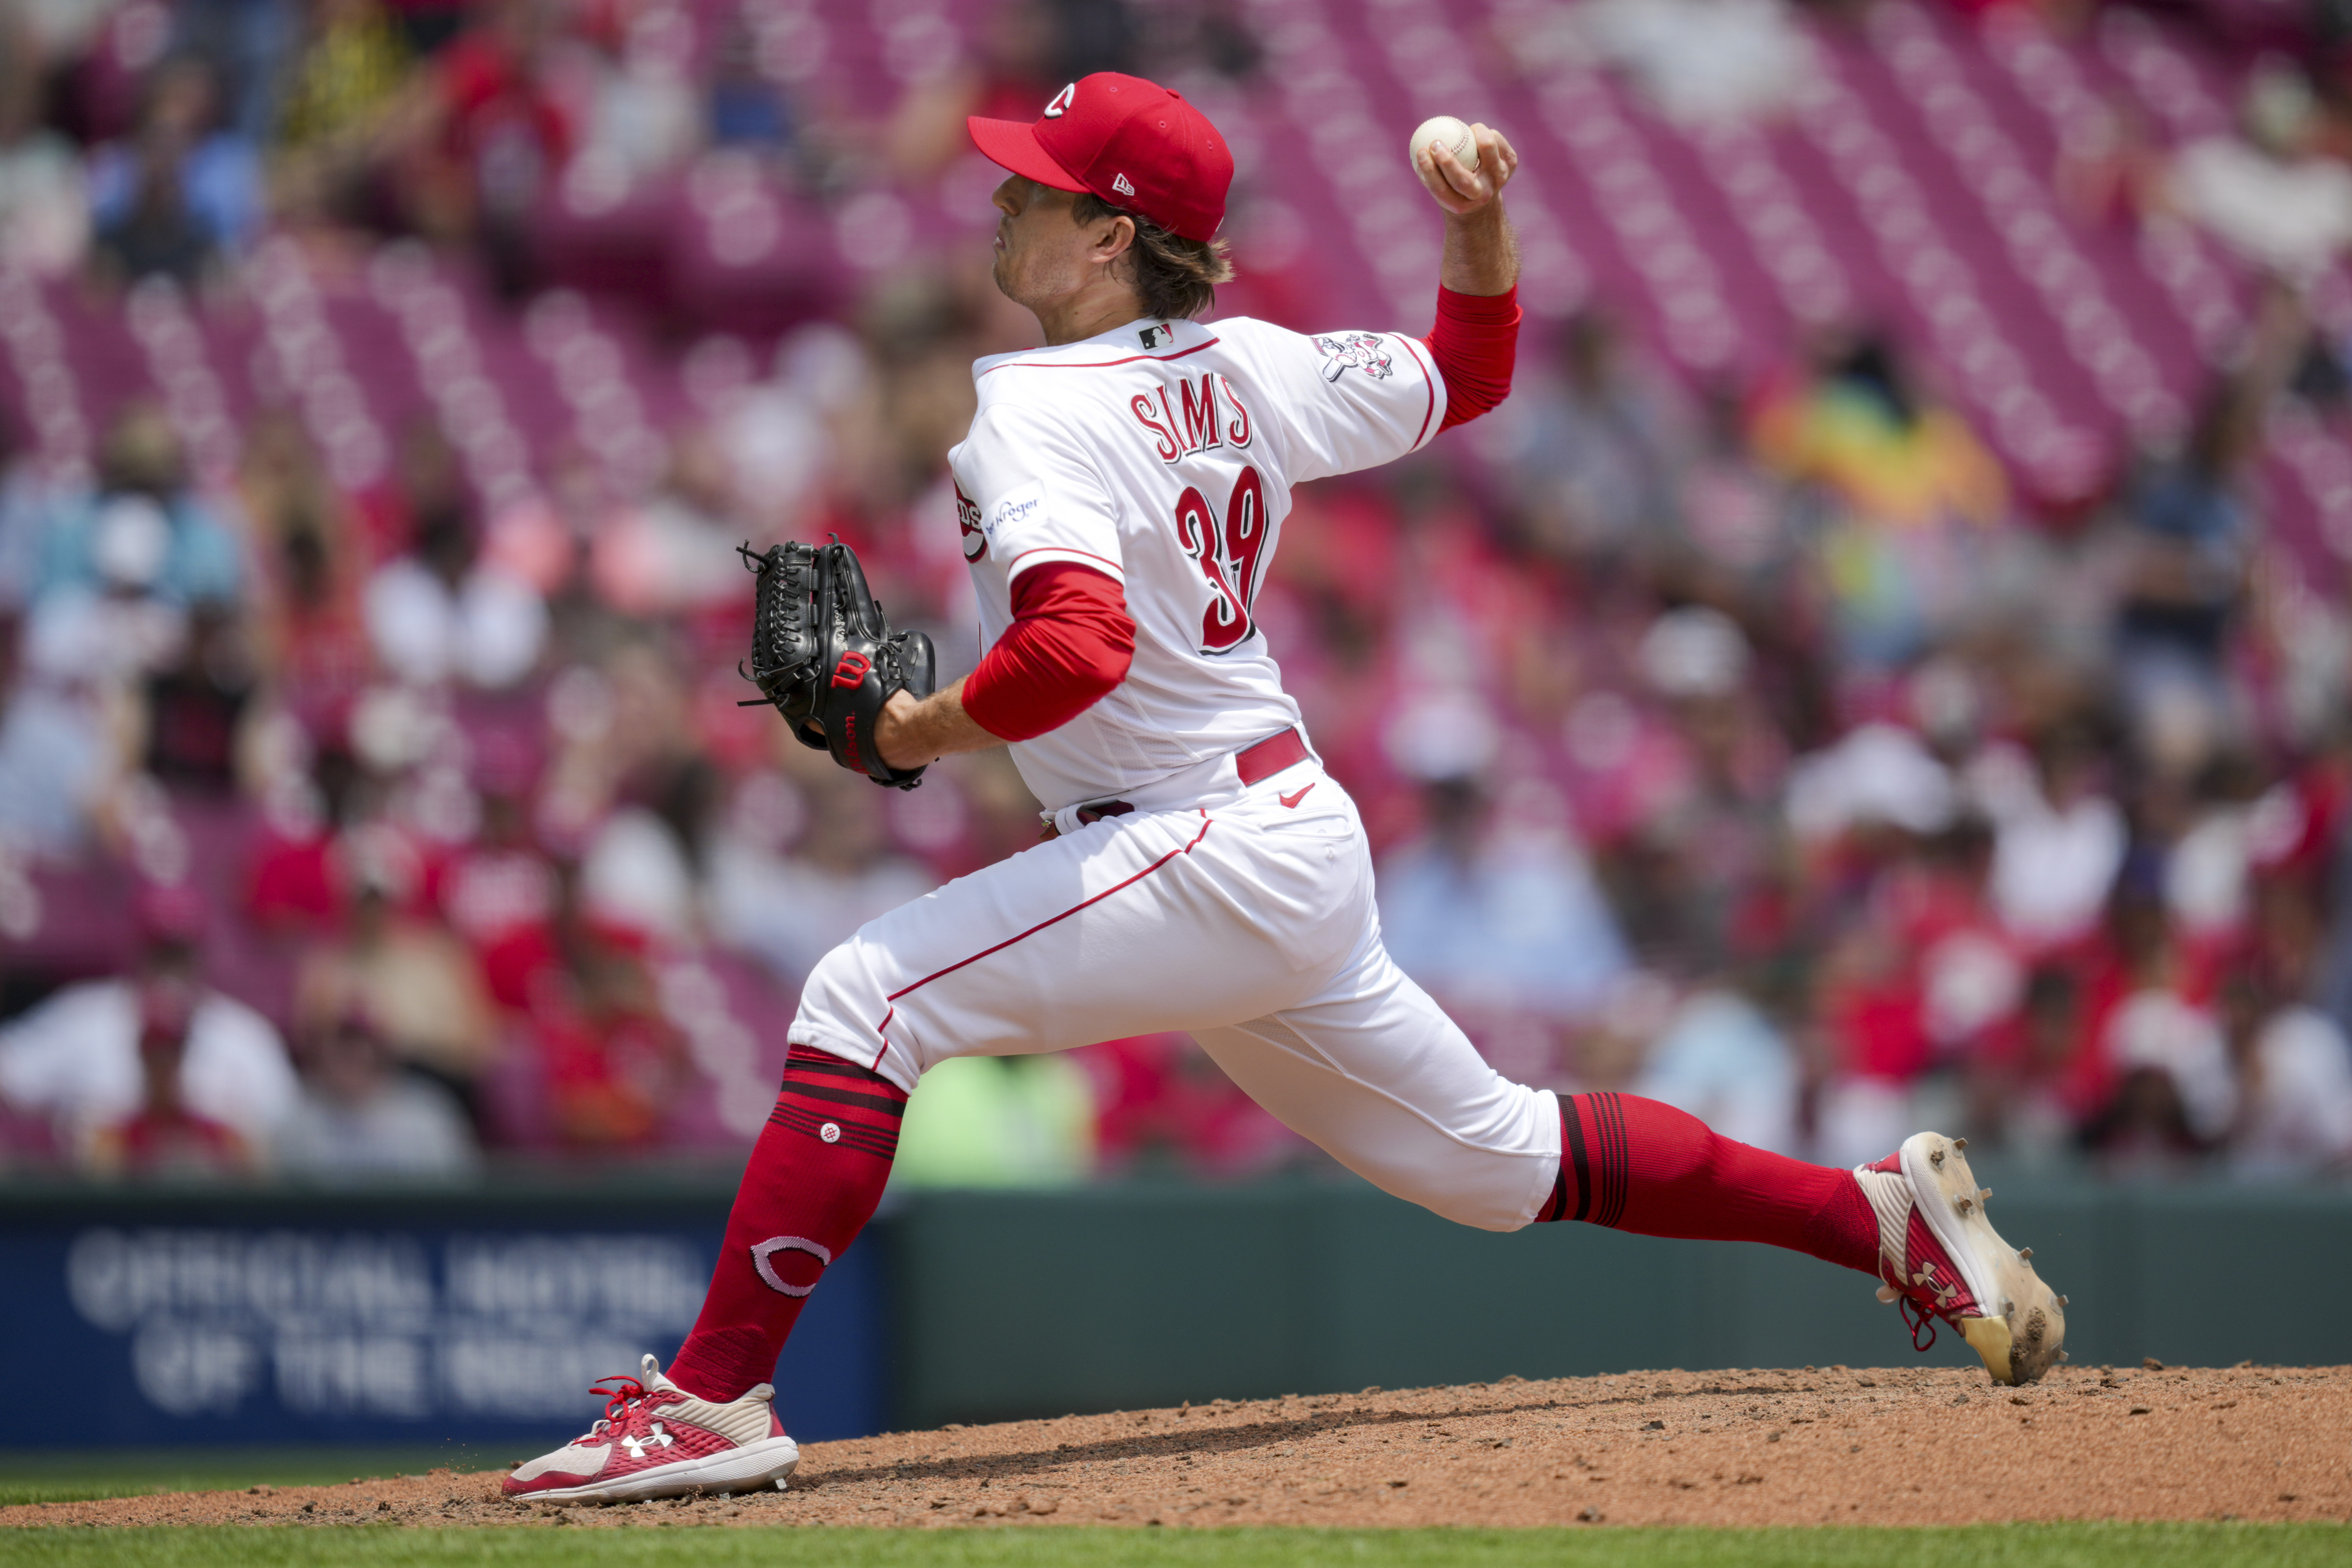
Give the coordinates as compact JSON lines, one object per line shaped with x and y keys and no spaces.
{"x":823,"y":652}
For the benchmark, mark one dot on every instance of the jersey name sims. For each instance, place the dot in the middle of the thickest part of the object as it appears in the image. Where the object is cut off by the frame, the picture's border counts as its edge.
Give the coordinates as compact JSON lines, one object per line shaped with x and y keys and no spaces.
{"x":1163,"y":454}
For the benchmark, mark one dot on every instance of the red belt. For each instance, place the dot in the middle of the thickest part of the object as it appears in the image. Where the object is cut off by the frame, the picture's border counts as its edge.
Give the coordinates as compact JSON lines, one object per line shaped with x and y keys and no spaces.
{"x":1270,"y":756}
{"x":1255,"y":763}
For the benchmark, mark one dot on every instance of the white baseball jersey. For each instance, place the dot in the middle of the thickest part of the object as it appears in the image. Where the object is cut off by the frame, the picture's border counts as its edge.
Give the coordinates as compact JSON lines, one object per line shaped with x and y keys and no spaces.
{"x":1163,"y":454}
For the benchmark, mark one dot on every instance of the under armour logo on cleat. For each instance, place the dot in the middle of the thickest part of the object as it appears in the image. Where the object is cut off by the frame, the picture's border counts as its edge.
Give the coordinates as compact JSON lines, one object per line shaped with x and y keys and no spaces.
{"x":638,"y":1446}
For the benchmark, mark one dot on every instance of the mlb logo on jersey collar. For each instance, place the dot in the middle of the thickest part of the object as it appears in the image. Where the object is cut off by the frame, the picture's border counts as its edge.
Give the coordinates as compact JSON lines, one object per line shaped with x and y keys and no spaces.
{"x":1156,"y":337}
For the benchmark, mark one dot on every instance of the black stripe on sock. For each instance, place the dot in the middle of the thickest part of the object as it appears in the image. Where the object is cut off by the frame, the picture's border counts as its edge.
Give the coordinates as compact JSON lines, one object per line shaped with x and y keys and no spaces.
{"x":1557,"y":1202}
{"x":1619,"y":1169}
{"x":805,"y":1061}
{"x":879,"y":1142}
{"x":1572,"y":1126}
{"x":893,"y":1109}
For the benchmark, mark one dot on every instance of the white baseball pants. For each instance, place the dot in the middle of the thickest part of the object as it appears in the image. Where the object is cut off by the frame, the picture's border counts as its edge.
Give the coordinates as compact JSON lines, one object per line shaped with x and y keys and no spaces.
{"x":1248,"y":922}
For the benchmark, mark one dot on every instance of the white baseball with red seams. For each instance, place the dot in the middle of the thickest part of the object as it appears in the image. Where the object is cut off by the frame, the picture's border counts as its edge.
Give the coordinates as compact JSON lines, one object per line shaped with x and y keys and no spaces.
{"x":1164,"y":454}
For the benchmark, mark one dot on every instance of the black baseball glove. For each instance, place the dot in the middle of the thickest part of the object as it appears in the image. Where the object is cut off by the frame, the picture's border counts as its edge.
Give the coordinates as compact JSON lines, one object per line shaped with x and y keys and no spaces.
{"x":823,"y":653}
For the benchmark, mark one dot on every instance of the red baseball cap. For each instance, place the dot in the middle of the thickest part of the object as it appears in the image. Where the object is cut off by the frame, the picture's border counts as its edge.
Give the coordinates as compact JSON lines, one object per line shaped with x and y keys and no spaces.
{"x":1131,"y":141}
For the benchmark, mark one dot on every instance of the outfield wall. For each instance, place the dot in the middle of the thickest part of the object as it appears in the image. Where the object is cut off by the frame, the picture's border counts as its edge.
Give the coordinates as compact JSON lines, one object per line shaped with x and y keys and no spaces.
{"x":1014,"y":1305}
{"x":153,"y":1319}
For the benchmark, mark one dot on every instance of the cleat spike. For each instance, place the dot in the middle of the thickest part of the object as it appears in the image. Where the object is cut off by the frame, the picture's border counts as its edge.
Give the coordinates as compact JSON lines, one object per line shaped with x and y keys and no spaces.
{"x":1936,"y":1159}
{"x":1959,"y":1142}
{"x":2026,"y":1253}
{"x":1983,"y":1193}
{"x":2062,"y":1301}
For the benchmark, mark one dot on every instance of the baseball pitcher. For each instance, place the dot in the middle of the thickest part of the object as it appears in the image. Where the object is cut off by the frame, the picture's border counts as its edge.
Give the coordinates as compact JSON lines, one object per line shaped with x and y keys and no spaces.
{"x":1122,"y":495}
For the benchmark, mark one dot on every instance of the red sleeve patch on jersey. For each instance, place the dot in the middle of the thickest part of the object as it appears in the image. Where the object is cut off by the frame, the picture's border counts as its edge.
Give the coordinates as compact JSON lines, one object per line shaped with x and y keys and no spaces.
{"x":1475,"y":345}
{"x":1067,"y":649}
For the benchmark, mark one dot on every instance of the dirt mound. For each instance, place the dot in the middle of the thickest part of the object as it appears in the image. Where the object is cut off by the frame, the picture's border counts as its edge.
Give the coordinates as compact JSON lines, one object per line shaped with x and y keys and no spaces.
{"x":1861,"y":1446}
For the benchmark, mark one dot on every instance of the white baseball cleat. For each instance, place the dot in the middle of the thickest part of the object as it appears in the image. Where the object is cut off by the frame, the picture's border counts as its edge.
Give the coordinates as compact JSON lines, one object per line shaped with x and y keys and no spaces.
{"x":1940,"y":1258}
{"x":655,"y":1439}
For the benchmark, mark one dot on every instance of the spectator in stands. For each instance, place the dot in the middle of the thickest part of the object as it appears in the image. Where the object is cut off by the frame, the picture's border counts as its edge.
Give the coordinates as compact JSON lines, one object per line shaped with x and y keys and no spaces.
{"x":1720,"y":1057}
{"x":360,"y":1117}
{"x":56,"y":756}
{"x":1706,"y":837}
{"x":1595,"y":448}
{"x":748,"y":108}
{"x":344,"y":76}
{"x":1913,"y":491}
{"x":420,"y":988}
{"x":44,"y":211}
{"x":439,"y":612}
{"x":342,"y":93}
{"x":613,"y":1063}
{"x":498,"y":893}
{"x":311,"y":633}
{"x":2270,"y":192}
{"x":2020,"y":1088}
{"x":2190,"y":544}
{"x":196,"y":710}
{"x":800,"y":865}
{"x":676,"y":552}
{"x":1019,"y":63}
{"x":90,"y":649}
{"x":1740,"y":523}
{"x":2294,"y":1084}
{"x":2059,"y":838}
{"x":644,"y":118}
{"x":2159,"y":1042}
{"x":488,"y":138}
{"x":184,"y":191}
{"x":142,"y":472}
{"x":1494,"y":906}
{"x":245,"y":43}
{"x":1704,"y":59}
{"x":78,"y":1058}
{"x":163,"y":1139}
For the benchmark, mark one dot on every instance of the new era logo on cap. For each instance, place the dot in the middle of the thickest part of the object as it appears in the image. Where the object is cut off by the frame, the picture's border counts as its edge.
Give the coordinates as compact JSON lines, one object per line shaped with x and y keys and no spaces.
{"x":1131,"y":141}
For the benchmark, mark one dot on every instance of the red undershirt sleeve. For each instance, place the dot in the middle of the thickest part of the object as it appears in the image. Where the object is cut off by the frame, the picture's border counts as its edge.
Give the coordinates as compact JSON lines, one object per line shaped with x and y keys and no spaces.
{"x":1067,"y":649}
{"x":1475,"y":343}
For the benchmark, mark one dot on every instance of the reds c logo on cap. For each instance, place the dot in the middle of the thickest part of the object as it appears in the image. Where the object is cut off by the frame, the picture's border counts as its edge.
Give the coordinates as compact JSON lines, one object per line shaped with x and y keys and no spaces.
{"x":1132,"y":143}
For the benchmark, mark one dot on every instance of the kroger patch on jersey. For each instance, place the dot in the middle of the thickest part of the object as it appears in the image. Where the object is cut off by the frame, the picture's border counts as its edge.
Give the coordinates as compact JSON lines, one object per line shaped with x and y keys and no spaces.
{"x":1006,"y":518}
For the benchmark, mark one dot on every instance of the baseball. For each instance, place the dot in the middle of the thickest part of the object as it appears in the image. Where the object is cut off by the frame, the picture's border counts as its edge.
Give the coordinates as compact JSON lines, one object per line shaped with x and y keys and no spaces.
{"x":1443,"y":130}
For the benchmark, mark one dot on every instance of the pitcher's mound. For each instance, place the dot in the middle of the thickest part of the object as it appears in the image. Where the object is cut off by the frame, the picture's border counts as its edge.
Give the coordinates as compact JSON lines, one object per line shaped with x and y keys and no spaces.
{"x":1871,"y":1445}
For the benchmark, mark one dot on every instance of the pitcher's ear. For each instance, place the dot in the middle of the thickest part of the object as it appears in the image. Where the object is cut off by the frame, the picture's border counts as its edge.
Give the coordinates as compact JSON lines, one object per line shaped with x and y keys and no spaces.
{"x":1119,"y":247}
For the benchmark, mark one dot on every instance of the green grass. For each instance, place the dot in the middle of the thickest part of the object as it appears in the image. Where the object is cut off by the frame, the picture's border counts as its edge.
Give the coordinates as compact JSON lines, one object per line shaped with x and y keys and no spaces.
{"x":1981,"y":1546}
{"x":70,"y":1477}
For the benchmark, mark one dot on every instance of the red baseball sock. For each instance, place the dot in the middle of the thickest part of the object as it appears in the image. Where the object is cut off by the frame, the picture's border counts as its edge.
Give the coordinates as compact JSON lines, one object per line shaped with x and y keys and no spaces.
{"x":1641,"y":1165}
{"x":815,"y":1175}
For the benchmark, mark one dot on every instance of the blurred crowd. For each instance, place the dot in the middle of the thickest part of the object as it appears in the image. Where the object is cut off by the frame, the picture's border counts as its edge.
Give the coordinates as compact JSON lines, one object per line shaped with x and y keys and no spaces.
{"x":1755,"y":744}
